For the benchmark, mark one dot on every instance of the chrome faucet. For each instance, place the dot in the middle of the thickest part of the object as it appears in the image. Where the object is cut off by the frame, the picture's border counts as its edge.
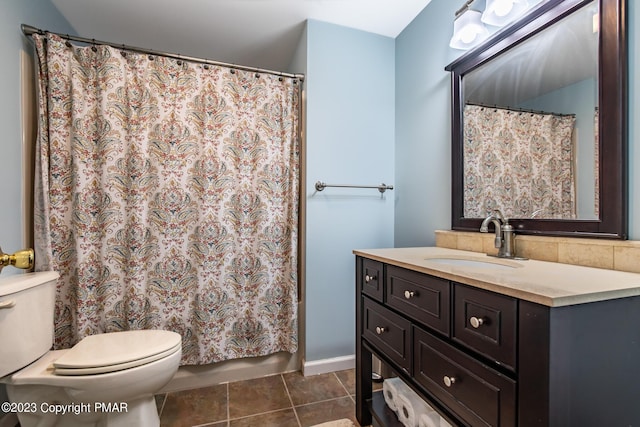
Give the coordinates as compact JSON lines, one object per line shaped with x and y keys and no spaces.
{"x":505,"y":236}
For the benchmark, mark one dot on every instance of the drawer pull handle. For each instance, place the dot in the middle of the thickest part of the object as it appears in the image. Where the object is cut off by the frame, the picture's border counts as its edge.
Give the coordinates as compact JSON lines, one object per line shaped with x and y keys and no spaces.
{"x":368,"y":278}
{"x":7,"y":304}
{"x":380,"y":330}
{"x":476,"y":322}
{"x":409,"y":294}
{"x":449,"y":381}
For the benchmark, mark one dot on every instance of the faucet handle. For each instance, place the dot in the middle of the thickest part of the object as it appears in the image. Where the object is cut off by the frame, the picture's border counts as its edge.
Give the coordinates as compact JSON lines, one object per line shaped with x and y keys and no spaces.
{"x":498,"y":241}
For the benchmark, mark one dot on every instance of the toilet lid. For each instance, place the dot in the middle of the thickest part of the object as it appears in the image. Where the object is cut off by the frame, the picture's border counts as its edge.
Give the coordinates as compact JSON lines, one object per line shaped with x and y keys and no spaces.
{"x":114,"y":351}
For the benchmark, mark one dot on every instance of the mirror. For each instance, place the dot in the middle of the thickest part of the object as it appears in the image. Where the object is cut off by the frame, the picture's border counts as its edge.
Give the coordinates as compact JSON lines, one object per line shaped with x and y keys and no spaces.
{"x":539,"y":123}
{"x":542,"y":110}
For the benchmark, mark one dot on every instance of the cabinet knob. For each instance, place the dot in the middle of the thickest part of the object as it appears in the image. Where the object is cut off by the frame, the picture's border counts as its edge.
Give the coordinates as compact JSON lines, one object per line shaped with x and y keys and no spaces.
{"x":368,"y":278}
{"x":380,"y":330}
{"x":409,"y":294}
{"x":449,"y":381}
{"x":476,"y":322}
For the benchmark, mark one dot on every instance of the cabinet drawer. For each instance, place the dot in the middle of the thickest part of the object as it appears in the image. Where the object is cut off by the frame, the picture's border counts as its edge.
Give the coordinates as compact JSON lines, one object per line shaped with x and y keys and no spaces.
{"x":476,"y":393}
{"x":486,"y":322}
{"x":425,"y":298}
{"x":371,"y":279}
{"x":388,"y":332}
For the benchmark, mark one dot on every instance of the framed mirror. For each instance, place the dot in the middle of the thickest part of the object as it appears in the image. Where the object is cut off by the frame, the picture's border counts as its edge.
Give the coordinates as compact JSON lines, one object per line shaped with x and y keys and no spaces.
{"x":539,"y":123}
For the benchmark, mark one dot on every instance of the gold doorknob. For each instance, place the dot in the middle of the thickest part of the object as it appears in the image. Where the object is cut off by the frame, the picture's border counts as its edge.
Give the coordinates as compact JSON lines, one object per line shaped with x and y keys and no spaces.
{"x":21,"y":259}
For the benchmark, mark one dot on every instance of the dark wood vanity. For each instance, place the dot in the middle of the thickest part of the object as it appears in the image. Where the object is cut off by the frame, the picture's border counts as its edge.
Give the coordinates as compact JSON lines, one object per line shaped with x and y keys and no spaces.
{"x":483,"y":358}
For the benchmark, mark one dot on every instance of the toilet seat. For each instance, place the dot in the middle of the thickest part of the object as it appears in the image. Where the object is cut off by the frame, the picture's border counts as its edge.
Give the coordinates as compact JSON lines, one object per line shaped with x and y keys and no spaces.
{"x":115,"y":351}
{"x":116,"y":367}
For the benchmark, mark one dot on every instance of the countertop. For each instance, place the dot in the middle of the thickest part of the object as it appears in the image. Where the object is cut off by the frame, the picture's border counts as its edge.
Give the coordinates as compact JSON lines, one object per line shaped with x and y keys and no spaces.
{"x":547,"y":283}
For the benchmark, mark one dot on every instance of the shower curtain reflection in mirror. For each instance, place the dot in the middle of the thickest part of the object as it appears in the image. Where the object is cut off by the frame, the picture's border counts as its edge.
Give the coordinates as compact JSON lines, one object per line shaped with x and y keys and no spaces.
{"x":522,"y":163}
{"x":167,"y":198}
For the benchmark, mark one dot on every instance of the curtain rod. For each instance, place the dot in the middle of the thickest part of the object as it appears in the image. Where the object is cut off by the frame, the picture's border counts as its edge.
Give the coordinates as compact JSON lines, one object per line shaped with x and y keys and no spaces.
{"x":520,"y":110}
{"x":29,"y":30}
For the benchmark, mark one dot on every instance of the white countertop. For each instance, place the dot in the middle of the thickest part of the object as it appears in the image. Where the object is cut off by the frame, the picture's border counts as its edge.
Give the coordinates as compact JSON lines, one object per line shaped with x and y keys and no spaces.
{"x":548,"y":283}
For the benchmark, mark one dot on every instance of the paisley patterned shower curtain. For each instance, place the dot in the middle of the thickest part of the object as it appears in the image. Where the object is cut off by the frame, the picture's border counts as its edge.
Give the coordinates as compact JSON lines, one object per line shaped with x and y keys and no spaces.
{"x":520,"y":163}
{"x":167,"y":198}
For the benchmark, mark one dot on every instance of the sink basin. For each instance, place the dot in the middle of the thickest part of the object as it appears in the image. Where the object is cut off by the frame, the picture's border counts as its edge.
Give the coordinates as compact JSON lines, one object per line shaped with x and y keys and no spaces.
{"x":476,"y":263}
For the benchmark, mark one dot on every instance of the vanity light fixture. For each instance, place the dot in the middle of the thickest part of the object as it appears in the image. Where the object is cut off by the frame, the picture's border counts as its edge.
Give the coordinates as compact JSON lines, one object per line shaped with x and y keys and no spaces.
{"x":468,"y":30}
{"x":499,"y":13}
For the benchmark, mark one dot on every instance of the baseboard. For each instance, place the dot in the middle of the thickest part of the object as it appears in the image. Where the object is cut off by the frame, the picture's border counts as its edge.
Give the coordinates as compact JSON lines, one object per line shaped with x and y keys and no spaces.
{"x":324,"y":366}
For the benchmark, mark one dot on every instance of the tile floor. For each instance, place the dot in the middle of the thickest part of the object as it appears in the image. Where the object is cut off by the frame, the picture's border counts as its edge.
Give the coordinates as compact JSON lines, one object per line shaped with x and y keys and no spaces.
{"x":286,"y":400}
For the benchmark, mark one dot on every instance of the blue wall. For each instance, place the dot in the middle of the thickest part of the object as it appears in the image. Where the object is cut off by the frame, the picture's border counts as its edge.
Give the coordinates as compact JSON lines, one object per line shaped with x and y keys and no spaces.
{"x":423,"y":125}
{"x":42,"y":14}
{"x":423,"y":135}
{"x":350,"y":134}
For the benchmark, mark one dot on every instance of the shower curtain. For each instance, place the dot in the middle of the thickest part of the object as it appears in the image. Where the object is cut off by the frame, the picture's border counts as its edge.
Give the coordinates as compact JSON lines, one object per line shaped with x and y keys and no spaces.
{"x":521,"y":163}
{"x":167,"y":198}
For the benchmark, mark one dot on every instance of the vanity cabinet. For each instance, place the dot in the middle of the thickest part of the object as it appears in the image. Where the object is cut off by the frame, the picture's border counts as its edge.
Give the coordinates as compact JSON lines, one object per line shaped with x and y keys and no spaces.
{"x":482,"y":358}
{"x":486,"y":322}
{"x":470,"y":388}
{"x":425,"y":299}
{"x":389,"y":332}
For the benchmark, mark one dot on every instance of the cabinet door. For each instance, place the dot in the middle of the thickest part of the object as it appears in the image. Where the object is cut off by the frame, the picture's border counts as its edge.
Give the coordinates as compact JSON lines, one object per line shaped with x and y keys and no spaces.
{"x":476,"y":393}
{"x":486,"y":322}
{"x":371,"y":279}
{"x":388,"y":332}
{"x":425,"y":298}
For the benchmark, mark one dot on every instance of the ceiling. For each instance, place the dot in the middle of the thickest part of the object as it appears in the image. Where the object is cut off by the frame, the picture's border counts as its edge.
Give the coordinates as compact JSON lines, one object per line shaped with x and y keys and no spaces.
{"x":257,"y":33}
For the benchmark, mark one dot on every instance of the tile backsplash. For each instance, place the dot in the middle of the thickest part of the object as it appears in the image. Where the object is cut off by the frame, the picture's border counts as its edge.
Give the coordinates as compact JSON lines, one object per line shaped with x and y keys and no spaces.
{"x":623,"y":255}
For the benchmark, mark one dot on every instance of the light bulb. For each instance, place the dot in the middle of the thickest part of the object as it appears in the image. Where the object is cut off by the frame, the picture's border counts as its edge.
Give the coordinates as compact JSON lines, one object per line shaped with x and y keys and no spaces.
{"x":468,"y":30}
{"x":501,"y":12}
{"x":503,"y":7}
{"x":467,"y":35}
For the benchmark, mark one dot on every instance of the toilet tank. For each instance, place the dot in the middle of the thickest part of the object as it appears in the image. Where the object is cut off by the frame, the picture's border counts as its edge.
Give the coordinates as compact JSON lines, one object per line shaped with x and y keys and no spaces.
{"x":26,"y":318}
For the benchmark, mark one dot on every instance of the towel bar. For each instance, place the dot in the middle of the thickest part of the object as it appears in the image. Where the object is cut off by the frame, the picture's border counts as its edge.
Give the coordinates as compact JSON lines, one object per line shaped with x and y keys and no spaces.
{"x":381,"y":188}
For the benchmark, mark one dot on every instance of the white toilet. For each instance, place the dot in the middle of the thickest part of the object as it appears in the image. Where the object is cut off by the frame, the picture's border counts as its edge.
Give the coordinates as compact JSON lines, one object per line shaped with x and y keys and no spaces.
{"x":105,"y":380}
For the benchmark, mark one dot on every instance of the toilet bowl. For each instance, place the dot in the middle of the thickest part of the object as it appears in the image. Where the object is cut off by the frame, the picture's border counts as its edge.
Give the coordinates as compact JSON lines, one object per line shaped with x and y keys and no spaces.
{"x":106,"y":379}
